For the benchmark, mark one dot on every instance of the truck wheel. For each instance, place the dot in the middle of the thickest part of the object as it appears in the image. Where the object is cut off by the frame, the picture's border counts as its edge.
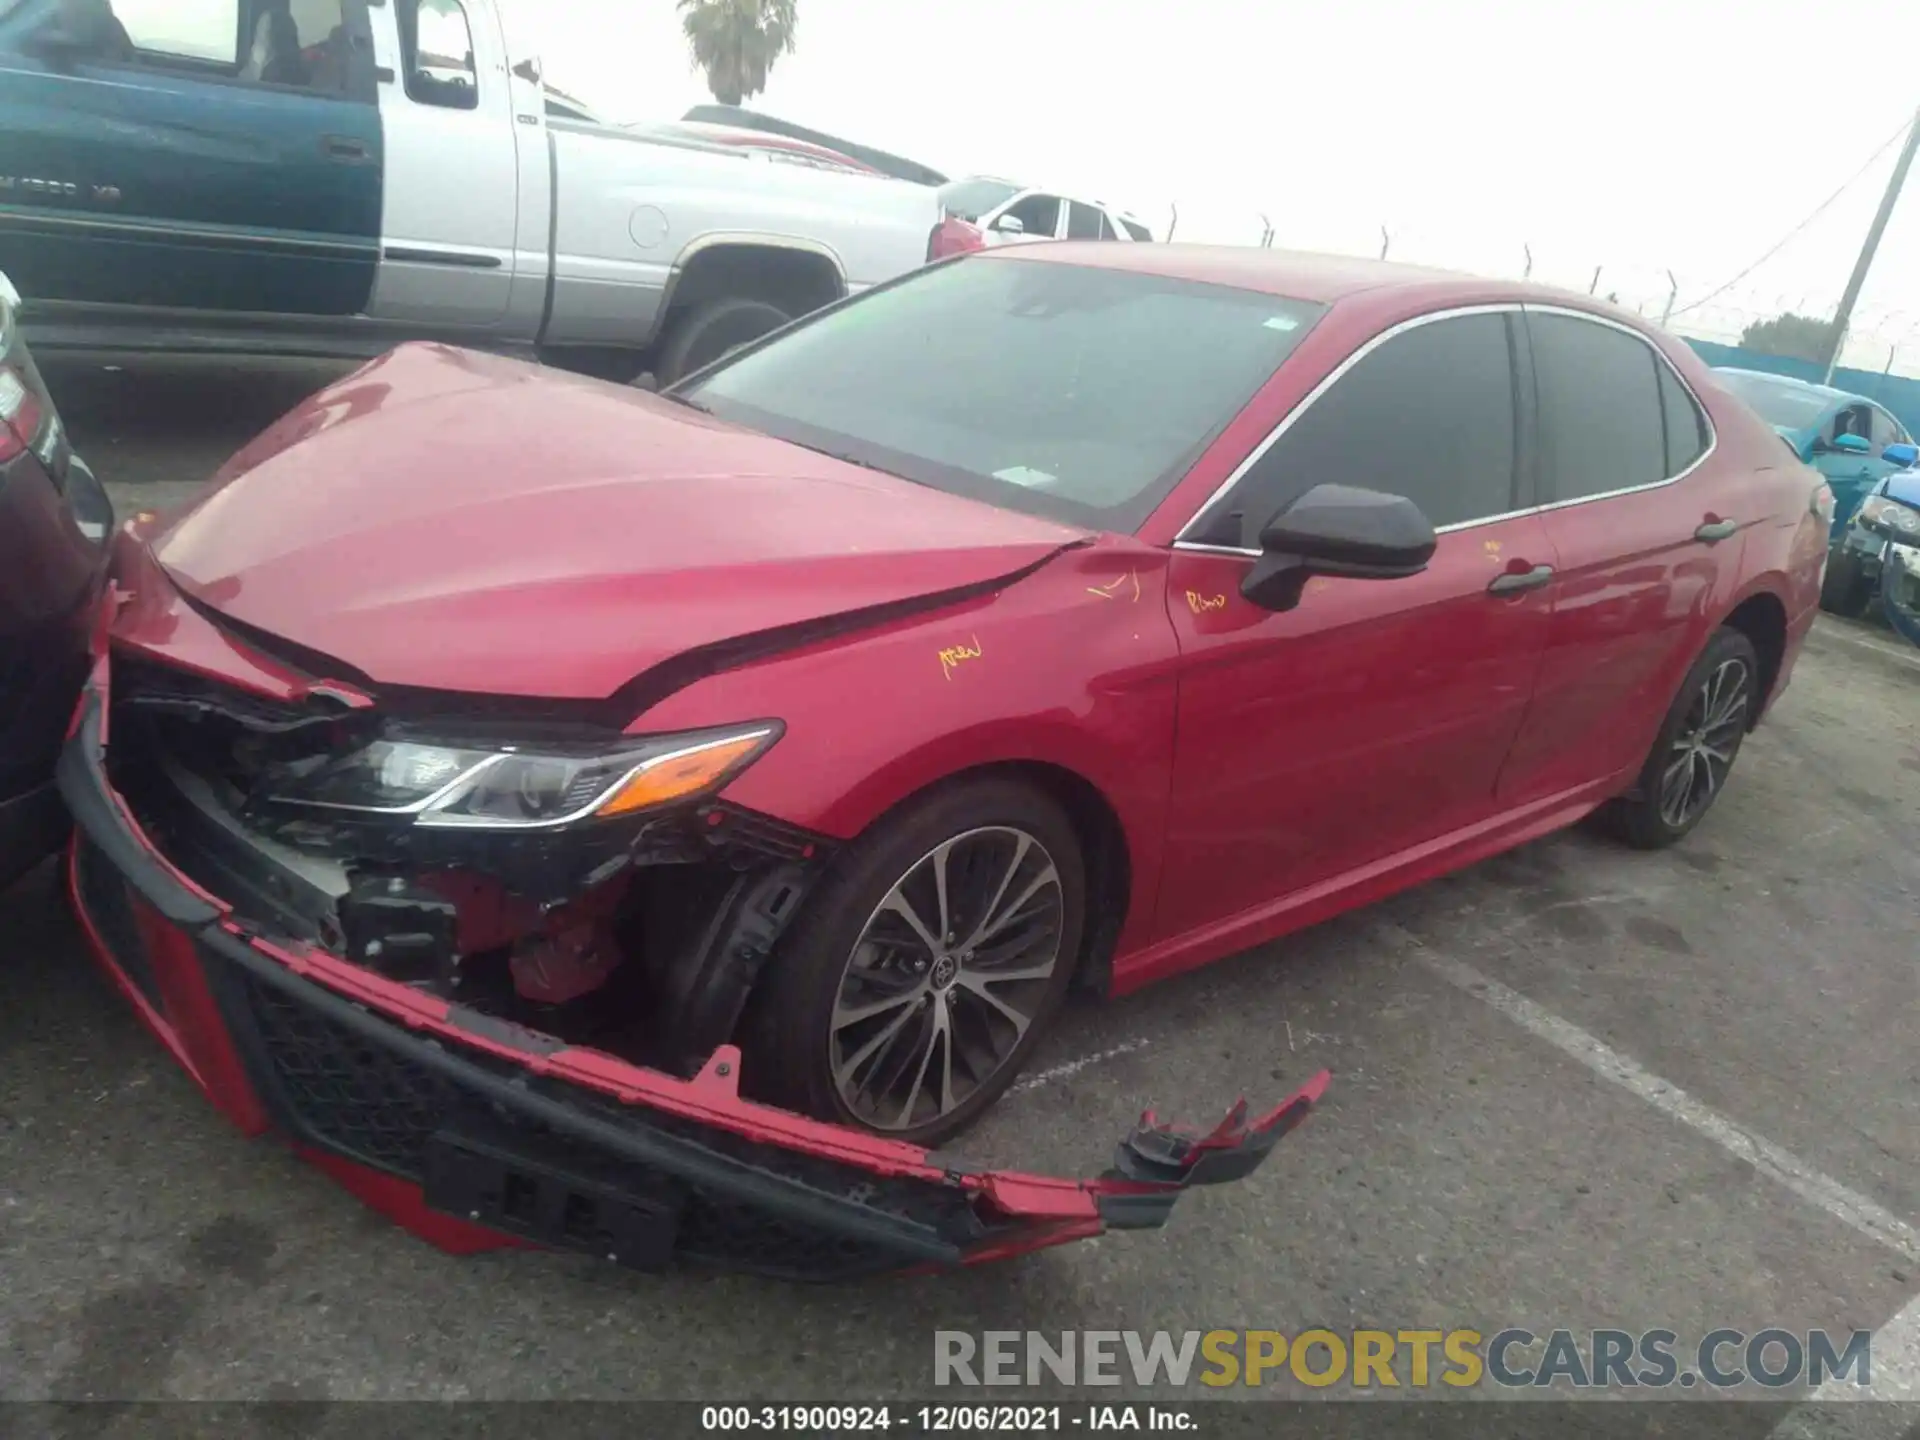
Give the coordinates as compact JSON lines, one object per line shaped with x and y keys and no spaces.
{"x":701,"y":335}
{"x":1847,"y":588}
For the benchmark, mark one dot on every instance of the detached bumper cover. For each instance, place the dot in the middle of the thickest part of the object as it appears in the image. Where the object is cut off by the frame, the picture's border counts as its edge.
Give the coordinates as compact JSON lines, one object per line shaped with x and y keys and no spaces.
{"x":476,"y":1134}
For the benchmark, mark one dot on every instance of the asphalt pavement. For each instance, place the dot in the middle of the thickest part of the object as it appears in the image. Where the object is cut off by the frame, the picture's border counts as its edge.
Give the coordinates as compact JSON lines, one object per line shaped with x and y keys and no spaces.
{"x":1575,"y":1086}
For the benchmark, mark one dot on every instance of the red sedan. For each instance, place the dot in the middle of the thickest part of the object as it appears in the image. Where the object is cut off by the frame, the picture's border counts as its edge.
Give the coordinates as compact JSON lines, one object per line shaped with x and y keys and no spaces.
{"x":641,"y":823}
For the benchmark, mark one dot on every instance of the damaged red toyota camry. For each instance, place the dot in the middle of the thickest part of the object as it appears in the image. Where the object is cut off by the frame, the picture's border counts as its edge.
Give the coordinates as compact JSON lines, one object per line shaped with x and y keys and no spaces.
{"x":643,"y":823}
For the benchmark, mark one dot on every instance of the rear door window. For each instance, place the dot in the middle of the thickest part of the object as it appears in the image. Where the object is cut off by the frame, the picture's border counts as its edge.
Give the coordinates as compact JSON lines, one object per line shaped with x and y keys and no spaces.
{"x":1603,"y":420}
{"x":1429,"y":414}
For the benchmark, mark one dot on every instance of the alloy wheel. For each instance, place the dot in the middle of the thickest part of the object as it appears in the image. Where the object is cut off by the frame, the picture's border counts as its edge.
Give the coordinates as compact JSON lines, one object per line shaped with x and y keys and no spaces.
{"x":946,"y":977}
{"x":1703,"y":751}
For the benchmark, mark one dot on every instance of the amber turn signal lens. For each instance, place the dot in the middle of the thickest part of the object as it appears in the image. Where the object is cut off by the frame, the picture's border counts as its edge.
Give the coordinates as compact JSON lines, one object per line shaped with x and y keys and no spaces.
{"x":686,"y":772}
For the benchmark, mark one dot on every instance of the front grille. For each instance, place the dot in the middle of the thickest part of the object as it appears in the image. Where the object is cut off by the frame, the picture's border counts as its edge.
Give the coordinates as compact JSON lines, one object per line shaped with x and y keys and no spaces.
{"x":351,"y":1094}
{"x":104,"y":897}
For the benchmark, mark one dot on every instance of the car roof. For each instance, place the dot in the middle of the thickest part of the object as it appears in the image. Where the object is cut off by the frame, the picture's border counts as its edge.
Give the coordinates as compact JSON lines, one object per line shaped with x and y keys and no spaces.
{"x":1292,"y":274}
{"x":1810,"y":386}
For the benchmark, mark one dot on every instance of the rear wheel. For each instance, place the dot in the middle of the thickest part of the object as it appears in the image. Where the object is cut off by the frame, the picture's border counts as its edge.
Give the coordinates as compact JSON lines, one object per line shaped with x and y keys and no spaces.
{"x":1696,"y":748}
{"x":1848,"y":587}
{"x":710,"y":330}
{"x":928,"y":965}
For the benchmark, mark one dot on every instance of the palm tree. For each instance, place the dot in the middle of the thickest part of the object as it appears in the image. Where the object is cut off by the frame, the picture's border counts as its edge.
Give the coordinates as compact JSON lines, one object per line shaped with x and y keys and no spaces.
{"x":736,"y":42}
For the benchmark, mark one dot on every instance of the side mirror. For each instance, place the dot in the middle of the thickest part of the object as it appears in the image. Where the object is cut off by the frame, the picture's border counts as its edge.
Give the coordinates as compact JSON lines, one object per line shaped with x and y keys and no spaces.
{"x":1902,"y":456}
{"x":1338,"y":530}
{"x":1010,"y":225}
{"x":1851,"y":444}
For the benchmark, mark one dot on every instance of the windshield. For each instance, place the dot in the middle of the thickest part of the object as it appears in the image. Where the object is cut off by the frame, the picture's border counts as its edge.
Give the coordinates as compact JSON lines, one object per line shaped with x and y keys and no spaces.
{"x":970,"y":199}
{"x":1778,"y":402}
{"x":1073,"y":392}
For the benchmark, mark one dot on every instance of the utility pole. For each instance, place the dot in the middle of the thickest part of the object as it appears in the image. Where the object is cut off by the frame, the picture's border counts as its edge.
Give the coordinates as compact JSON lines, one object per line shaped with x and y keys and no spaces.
{"x":1844,"y":316}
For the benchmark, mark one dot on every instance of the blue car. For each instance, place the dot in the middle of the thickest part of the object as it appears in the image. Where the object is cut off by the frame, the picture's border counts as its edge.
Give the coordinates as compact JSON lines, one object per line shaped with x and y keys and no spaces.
{"x":1880,"y":551}
{"x":1848,"y":438}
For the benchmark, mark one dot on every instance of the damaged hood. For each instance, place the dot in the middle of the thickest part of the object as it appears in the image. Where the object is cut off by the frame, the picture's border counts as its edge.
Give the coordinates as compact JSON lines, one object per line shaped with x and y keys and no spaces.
{"x":454,"y":521}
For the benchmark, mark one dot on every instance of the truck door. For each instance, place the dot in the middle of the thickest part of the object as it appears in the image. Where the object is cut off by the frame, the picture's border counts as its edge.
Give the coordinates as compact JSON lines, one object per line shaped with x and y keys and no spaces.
{"x":453,"y":169}
{"x":213,"y":155}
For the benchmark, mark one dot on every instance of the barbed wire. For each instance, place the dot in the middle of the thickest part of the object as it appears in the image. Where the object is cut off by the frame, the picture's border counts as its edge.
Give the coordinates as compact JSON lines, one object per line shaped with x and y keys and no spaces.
{"x":1879,"y":337}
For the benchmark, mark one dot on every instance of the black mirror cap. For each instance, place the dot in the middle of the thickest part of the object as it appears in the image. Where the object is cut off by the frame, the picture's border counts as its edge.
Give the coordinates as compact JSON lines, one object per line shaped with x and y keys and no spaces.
{"x":1338,"y":530}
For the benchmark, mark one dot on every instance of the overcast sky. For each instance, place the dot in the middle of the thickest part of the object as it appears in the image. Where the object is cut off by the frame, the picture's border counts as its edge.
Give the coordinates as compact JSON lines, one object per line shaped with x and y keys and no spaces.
{"x":1689,"y":134}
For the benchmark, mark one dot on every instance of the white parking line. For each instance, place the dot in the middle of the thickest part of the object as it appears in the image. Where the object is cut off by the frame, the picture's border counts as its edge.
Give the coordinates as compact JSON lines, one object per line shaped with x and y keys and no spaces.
{"x":1809,"y":1184}
{"x":1074,"y":1067}
{"x":1896,"y":1378}
{"x":1896,"y":1344}
{"x":1908,"y":659}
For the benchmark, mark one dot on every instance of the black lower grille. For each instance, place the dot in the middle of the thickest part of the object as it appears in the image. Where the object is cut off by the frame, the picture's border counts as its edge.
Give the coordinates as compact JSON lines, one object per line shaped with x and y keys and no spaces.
{"x":349,"y":1094}
{"x":359,"y":1099}
{"x":104,"y":897}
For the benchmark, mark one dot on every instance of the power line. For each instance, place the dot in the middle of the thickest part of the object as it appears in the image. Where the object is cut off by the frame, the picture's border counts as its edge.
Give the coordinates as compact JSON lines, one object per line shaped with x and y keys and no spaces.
{"x":1820,"y":210}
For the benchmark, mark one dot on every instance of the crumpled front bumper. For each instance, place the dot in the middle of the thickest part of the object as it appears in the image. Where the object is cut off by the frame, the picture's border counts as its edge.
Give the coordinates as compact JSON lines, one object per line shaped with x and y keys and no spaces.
{"x":1900,"y":589}
{"x":476,"y":1134}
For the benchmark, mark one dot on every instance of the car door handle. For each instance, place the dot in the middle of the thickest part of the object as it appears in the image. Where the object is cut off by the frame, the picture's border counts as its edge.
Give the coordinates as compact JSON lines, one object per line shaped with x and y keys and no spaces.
{"x":345,"y":149}
{"x":1518,"y":582}
{"x":1714,"y":531}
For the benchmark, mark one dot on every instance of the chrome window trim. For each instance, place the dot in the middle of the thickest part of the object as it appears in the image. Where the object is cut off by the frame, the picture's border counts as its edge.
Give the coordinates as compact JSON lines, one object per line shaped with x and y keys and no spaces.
{"x":1713,"y":431}
{"x":1339,"y":372}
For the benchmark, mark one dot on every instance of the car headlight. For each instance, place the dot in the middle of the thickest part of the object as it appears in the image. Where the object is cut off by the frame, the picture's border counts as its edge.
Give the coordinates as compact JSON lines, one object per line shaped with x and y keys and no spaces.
{"x":1890,"y":514}
{"x":510,"y":788}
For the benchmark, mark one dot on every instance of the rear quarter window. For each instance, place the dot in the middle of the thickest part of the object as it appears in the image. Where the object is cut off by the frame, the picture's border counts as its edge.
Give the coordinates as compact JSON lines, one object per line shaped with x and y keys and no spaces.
{"x":1686,"y":427}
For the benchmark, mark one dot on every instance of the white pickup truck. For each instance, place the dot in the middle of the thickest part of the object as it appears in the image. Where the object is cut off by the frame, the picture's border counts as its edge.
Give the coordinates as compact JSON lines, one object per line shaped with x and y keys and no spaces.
{"x":329,"y":177}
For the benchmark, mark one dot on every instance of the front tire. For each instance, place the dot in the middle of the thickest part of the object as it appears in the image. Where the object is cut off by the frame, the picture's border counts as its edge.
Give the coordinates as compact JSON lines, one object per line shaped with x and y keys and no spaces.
{"x":710,"y":330}
{"x":927,"y":966}
{"x":1847,"y":588}
{"x":1697,"y":745}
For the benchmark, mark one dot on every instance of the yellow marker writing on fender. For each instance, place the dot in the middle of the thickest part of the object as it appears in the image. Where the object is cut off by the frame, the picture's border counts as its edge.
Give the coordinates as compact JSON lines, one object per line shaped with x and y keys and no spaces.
{"x":955,"y":654}
{"x":1112,"y":591}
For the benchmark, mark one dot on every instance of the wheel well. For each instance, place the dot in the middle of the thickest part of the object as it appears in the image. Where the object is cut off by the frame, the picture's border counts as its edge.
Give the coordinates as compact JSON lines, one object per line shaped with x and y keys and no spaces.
{"x":1103,"y":841}
{"x":1109,"y":867}
{"x":798,"y":281}
{"x":1763,"y":620}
